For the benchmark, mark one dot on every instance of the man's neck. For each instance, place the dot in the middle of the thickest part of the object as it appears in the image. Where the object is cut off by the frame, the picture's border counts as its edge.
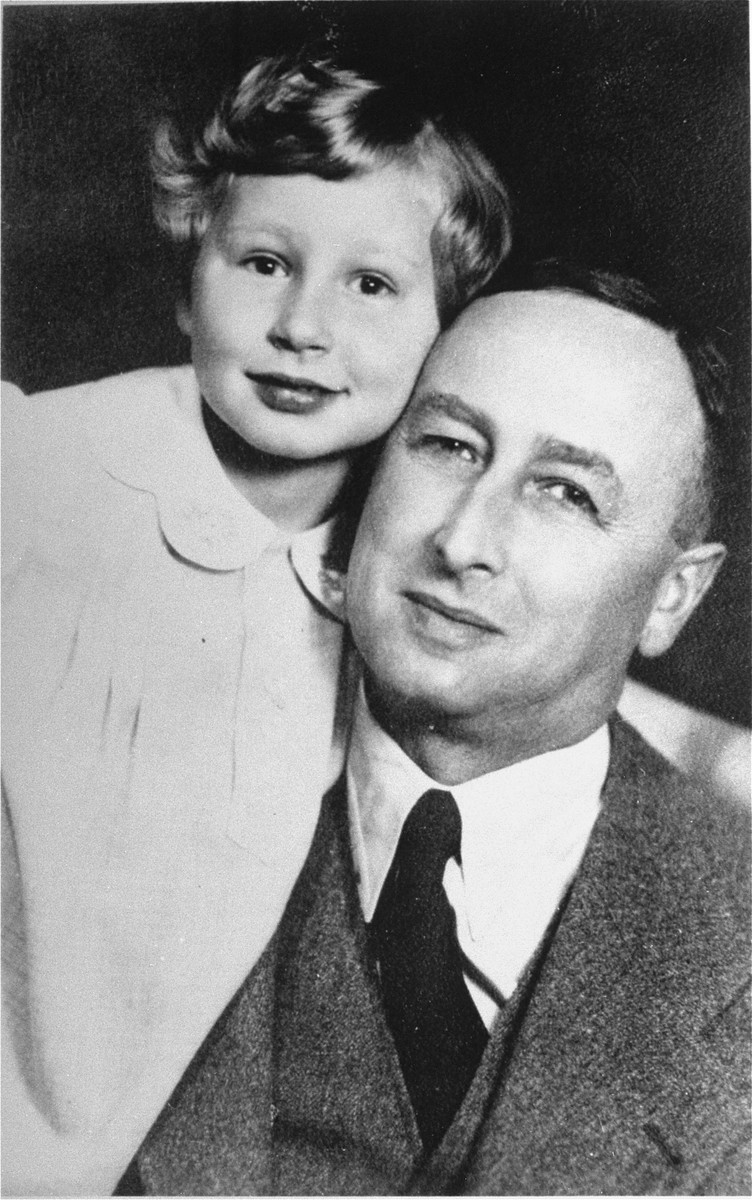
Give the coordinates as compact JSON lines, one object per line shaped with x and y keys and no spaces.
{"x":453,"y":750}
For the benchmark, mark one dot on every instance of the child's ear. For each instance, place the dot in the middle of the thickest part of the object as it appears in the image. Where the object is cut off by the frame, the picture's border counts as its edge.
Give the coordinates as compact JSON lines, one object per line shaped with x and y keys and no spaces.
{"x":680,"y":591}
{"x":183,"y":317}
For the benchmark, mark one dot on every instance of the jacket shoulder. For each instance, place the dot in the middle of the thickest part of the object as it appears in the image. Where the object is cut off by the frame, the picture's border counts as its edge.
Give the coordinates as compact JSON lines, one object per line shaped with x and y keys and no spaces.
{"x":691,"y":811}
{"x":693,"y":847}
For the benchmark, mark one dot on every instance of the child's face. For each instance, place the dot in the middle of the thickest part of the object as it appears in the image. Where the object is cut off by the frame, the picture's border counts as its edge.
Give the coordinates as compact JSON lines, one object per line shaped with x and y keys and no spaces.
{"x":312,"y":308}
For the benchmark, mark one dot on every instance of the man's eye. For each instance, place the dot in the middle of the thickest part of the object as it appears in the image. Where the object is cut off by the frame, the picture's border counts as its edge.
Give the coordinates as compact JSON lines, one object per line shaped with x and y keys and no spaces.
{"x":450,"y":448}
{"x":570,"y":495}
{"x":373,"y":285}
{"x":264,"y":264}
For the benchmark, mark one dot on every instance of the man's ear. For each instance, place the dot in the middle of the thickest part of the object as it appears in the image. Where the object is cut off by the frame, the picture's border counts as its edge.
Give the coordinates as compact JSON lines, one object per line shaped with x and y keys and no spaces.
{"x":183,"y":316}
{"x":680,"y":591}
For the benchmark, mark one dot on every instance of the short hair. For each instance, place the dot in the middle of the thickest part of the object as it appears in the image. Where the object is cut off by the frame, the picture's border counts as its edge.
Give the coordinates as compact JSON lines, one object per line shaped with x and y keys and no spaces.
{"x":293,"y":115}
{"x":699,"y":507}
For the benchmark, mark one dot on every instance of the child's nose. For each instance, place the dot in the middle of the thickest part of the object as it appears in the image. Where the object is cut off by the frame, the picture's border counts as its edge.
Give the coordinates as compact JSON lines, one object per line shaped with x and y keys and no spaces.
{"x":301,"y":322}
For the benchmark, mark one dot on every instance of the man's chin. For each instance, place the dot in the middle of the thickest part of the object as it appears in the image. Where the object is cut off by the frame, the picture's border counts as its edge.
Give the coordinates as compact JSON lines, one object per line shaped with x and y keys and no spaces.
{"x":414,"y":702}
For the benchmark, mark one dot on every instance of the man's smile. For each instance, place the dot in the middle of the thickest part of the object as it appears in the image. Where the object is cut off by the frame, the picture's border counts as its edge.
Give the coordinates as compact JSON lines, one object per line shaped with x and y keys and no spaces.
{"x":449,"y":621}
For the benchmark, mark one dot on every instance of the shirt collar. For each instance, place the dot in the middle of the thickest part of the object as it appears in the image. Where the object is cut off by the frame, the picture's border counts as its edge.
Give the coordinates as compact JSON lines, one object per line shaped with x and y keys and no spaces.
{"x":154,"y":439}
{"x":513,"y":820}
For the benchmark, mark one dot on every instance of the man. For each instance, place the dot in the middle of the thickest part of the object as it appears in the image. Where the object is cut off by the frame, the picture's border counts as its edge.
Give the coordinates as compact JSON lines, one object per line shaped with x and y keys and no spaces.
{"x":516,"y":960}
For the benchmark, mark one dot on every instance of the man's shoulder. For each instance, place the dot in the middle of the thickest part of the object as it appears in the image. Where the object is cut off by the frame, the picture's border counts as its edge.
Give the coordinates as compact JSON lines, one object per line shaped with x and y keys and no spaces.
{"x":699,"y":841}
{"x":708,"y":748}
{"x":643,"y":770}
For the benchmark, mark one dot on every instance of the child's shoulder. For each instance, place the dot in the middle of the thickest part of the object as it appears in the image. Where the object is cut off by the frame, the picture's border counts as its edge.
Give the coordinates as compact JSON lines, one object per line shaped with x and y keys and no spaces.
{"x":67,"y":453}
{"x":115,"y":398}
{"x":99,"y":421}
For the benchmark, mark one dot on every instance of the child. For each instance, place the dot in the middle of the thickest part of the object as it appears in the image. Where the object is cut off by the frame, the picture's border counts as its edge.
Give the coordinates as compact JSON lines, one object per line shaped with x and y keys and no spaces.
{"x":173,"y":626}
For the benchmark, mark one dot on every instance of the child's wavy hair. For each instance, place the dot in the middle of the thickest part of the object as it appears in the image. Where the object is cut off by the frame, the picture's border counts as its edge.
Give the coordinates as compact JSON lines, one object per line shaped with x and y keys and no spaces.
{"x":293,"y":115}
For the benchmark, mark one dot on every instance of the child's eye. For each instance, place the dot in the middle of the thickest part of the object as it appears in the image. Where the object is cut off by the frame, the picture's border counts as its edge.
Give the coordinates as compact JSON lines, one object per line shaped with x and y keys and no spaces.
{"x":265,"y":264}
{"x":373,"y":285}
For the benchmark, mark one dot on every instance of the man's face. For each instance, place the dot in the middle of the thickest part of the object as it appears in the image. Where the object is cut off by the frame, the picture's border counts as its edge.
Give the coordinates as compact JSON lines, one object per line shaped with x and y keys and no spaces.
{"x":516,"y":545}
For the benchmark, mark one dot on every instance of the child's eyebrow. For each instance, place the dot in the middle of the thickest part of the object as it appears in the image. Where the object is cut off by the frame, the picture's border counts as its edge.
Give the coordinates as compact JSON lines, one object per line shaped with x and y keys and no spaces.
{"x":365,"y":248}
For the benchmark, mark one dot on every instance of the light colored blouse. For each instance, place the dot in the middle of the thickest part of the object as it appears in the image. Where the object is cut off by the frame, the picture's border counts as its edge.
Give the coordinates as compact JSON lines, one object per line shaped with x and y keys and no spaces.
{"x":171,"y":666}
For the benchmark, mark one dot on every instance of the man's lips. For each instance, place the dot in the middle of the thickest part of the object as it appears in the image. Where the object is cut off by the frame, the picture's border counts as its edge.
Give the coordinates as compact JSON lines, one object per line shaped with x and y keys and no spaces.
{"x":455,"y":613}
{"x":292,"y":393}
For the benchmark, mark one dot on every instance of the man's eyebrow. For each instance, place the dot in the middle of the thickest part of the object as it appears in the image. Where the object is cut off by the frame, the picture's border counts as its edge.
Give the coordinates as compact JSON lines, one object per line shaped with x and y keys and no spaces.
{"x":576,"y":456}
{"x":450,"y":405}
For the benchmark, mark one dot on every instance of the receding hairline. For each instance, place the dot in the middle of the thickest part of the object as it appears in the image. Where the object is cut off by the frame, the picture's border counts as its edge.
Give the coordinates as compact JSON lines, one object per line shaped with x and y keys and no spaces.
{"x":693,"y":516}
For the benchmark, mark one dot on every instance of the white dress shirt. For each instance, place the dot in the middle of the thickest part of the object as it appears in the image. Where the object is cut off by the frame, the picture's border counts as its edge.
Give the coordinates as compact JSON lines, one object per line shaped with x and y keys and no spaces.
{"x":524,"y":832}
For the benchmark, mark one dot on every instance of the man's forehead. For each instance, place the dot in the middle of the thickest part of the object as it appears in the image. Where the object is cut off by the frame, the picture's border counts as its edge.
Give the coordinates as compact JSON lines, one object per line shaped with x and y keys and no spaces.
{"x":584,"y":331}
{"x":560,"y":346}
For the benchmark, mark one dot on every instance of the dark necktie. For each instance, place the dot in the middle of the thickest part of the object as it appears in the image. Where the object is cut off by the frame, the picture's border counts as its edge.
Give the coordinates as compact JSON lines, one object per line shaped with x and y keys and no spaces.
{"x":436,"y":1027}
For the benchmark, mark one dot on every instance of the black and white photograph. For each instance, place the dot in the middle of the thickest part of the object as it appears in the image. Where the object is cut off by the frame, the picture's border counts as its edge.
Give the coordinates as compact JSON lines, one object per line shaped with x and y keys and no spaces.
{"x":376,"y":598}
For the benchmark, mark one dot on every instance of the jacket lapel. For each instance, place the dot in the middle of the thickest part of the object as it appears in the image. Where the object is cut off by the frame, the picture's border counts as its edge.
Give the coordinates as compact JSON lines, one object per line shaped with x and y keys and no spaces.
{"x":616,"y":1068}
{"x":297,"y":1090}
{"x":214,"y":1135}
{"x":343,"y":1124}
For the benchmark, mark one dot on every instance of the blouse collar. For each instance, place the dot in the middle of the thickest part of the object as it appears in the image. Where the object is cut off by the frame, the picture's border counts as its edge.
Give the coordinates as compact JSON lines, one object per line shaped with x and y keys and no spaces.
{"x":154,"y":439}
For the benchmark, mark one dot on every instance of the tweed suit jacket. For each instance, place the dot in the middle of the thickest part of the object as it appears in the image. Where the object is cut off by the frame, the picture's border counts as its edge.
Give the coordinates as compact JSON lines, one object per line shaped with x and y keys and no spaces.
{"x":621,"y":1066}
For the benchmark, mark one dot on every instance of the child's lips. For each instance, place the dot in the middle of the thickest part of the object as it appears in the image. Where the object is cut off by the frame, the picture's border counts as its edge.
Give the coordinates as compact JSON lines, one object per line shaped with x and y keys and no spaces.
{"x":292,"y":394}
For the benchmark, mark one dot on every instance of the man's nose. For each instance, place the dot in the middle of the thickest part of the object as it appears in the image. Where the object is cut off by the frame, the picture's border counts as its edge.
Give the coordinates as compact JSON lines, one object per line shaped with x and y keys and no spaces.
{"x":302,"y":321}
{"x":472,"y":536}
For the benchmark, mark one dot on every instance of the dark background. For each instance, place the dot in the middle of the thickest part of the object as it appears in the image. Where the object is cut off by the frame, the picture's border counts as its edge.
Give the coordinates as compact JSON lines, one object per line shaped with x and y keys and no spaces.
{"x":620,"y":125}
